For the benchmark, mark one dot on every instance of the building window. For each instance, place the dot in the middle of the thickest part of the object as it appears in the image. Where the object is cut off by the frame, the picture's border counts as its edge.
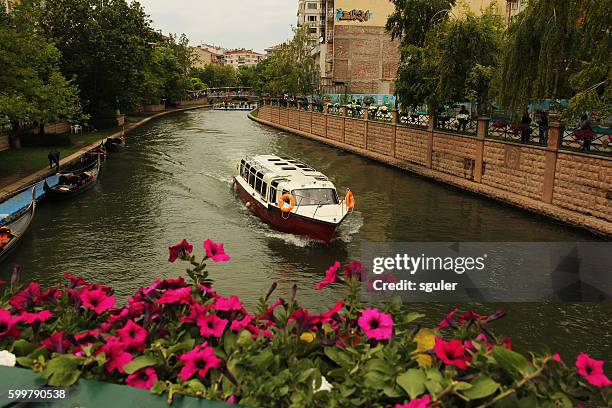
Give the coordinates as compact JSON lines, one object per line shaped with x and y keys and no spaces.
{"x":312,"y":6}
{"x":312,"y":18}
{"x":312,"y":30}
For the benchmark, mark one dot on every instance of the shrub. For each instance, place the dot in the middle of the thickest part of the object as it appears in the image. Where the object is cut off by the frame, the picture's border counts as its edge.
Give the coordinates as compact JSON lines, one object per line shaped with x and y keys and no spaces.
{"x":178,"y":337}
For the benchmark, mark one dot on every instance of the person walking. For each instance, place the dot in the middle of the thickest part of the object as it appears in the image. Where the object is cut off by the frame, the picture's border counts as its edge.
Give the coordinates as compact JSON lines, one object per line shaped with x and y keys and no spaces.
{"x":54,"y":159}
{"x":525,"y":129}
{"x":463,"y":118}
{"x":542,"y":121}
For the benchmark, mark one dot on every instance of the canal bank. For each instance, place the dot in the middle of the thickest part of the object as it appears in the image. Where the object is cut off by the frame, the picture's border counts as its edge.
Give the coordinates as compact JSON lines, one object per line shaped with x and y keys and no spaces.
{"x":516,"y":175}
{"x":11,"y":189}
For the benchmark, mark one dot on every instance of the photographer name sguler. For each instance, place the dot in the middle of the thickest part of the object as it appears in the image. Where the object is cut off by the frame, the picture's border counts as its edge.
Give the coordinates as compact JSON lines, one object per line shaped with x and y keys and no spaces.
{"x":404,"y":285}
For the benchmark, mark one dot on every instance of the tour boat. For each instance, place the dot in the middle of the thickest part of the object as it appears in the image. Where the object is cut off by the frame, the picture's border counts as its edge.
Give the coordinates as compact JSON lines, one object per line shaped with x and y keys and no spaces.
{"x":12,"y":230}
{"x":291,"y":196}
{"x":114,"y":144}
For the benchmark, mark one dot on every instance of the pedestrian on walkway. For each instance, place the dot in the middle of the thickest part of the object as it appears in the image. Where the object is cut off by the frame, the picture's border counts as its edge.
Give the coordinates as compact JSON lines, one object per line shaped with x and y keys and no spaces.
{"x":54,"y":159}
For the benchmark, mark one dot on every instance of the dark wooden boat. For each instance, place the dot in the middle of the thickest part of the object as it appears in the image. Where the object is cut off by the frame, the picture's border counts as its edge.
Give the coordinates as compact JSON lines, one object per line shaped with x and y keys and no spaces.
{"x":71,"y":184}
{"x":12,"y":231}
{"x":114,"y":144}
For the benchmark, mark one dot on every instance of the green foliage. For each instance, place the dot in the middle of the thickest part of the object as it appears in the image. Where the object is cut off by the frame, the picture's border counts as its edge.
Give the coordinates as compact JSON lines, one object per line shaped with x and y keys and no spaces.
{"x":456,"y":60}
{"x":216,"y":76}
{"x":412,"y":19}
{"x":32,"y":88}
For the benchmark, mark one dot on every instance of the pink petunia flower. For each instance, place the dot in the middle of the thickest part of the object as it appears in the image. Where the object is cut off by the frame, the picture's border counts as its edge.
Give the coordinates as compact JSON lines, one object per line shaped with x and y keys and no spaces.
{"x":176,"y":250}
{"x":416,"y":403}
{"x":303,"y":319}
{"x":448,"y":320}
{"x":331,"y":275}
{"x":75,"y":281}
{"x":557,"y":357}
{"x":27,"y":297}
{"x":211,"y":325}
{"x":452,"y":353}
{"x":8,"y":324}
{"x":376,"y":324}
{"x":355,"y":270}
{"x":57,"y":343}
{"x":199,"y":361}
{"x":116,"y":356}
{"x":144,"y":378}
{"x":32,"y":318}
{"x":256,"y":331}
{"x":215,"y":251}
{"x":327,"y":317}
{"x":238,"y":325}
{"x":97,"y":300}
{"x":182,"y":296}
{"x":228,"y":304}
{"x":592,"y":370}
{"x":133,"y":335}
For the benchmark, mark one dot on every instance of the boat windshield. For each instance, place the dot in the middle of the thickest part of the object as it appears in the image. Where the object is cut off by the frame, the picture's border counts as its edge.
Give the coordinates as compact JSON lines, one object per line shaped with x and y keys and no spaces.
{"x":315,"y":196}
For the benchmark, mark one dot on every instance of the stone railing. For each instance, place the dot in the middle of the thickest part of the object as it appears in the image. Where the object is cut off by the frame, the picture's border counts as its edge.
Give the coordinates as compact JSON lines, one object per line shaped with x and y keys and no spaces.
{"x":530,"y":175}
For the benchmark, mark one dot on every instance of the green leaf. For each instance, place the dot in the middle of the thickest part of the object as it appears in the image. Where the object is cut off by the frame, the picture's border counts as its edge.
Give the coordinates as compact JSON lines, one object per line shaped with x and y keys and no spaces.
{"x":433,"y":387}
{"x":139,"y":363}
{"x":25,"y":361}
{"x":23,"y":347}
{"x":481,"y":387}
{"x":338,"y":356}
{"x":263,"y":360}
{"x":183,"y":346}
{"x":412,"y":316}
{"x":512,"y":361}
{"x":379,"y":365}
{"x":63,"y":370}
{"x":413,"y":382}
{"x":376,"y":379}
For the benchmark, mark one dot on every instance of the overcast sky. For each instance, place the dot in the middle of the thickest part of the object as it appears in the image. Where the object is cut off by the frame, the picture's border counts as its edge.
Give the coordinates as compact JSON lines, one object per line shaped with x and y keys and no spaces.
{"x":255,"y":24}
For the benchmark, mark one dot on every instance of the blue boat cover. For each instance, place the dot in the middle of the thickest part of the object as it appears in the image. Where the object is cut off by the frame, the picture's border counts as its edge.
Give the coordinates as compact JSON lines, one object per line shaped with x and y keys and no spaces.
{"x":22,"y":200}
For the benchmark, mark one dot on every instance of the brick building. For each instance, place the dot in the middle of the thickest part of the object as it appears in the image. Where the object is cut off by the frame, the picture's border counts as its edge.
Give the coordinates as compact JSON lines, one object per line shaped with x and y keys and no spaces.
{"x":207,"y":55}
{"x":357,"y":56}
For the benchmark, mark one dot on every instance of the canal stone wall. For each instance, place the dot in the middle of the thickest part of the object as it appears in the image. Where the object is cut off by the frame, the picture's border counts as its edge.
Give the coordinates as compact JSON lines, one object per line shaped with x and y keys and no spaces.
{"x":570,"y":186}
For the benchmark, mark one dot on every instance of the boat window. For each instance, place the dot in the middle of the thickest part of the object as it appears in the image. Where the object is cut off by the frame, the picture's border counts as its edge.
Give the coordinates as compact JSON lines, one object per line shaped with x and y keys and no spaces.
{"x":251,"y":179}
{"x":264,"y":189}
{"x":258,"y":184}
{"x":273,"y":160}
{"x":272,"y":194}
{"x":315,"y":196}
{"x":288,"y":168}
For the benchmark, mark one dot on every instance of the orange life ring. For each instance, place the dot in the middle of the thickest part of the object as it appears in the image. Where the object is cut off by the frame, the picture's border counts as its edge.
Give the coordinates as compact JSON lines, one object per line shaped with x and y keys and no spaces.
{"x":350,"y":200}
{"x":283,"y":205}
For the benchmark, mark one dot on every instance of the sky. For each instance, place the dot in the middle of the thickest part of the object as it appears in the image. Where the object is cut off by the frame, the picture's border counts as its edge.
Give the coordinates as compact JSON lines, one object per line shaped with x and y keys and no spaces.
{"x":251,"y":24}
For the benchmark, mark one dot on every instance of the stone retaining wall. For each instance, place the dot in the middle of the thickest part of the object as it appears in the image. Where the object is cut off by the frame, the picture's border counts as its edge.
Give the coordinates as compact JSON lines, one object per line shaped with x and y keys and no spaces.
{"x":573,"y":187}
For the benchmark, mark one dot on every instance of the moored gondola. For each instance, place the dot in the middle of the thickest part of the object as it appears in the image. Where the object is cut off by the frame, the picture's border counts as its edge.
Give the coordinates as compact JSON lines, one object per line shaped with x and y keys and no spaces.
{"x":71,"y":184}
{"x":114,"y":144}
{"x":12,"y":231}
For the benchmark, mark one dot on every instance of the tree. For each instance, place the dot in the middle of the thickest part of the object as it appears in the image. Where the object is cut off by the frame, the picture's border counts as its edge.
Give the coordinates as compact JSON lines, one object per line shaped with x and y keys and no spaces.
{"x":104,"y":45}
{"x":32,"y":88}
{"x":455,"y":61}
{"x":216,"y":76}
{"x":412,"y":19}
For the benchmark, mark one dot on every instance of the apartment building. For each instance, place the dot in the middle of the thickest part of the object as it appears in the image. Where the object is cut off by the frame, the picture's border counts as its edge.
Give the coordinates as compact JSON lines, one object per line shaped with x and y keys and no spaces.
{"x":243,"y":58}
{"x":312,"y":14}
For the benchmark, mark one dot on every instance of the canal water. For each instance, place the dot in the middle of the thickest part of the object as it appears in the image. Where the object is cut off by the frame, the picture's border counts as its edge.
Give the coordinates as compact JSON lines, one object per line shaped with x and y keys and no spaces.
{"x":174,"y":181}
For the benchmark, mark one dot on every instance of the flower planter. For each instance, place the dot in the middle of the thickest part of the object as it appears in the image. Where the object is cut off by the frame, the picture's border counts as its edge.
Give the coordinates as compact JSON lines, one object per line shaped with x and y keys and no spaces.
{"x":88,"y":393}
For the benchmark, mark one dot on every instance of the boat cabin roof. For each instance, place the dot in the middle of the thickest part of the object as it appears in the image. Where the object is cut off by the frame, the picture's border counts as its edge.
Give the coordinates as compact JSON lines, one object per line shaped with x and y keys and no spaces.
{"x":287,"y":173}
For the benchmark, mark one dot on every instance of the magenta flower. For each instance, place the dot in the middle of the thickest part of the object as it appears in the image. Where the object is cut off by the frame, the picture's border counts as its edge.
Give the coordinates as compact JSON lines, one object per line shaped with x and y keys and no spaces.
{"x":355,"y":270}
{"x":448,"y":320}
{"x":238,"y":325}
{"x":211,"y":325}
{"x":75,"y":282}
{"x":416,"y":403}
{"x":328,"y":317}
{"x":215,"y":251}
{"x":26,"y":297}
{"x":133,"y":335}
{"x":8,"y":324}
{"x":116,"y":356}
{"x":331,"y":275}
{"x":198,"y":361}
{"x":168,"y":284}
{"x":303,"y":320}
{"x":97,"y":300}
{"x":452,"y":353}
{"x":592,"y":370}
{"x":144,"y":378}
{"x":376,"y":324}
{"x":57,"y":343}
{"x":196,"y":310}
{"x":175,"y":251}
{"x":228,"y":304}
{"x":182,"y":296}
{"x":31,"y":318}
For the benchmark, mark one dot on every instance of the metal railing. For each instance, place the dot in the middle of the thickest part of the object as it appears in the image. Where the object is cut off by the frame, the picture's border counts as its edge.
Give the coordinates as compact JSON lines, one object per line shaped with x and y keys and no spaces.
{"x":457,"y":122}
{"x":414,"y":119}
{"x":596,"y":141}
{"x":525,"y":133}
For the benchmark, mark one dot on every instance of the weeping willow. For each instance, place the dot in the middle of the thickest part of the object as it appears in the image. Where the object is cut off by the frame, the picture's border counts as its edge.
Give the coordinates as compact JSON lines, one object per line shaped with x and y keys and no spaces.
{"x":549,"y":46}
